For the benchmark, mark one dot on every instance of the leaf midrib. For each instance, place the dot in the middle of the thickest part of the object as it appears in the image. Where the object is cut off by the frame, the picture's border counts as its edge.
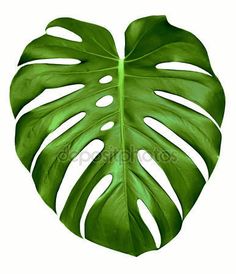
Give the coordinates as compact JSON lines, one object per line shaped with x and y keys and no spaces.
{"x":121,"y":75}
{"x":121,"y":90}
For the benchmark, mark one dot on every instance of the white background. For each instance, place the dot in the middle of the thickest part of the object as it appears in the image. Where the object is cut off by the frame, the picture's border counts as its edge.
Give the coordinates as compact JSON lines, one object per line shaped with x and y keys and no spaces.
{"x":32,"y":240}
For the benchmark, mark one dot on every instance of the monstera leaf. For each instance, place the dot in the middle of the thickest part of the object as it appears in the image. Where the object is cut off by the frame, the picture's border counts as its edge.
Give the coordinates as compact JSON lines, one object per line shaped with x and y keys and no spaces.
{"x":140,"y":89}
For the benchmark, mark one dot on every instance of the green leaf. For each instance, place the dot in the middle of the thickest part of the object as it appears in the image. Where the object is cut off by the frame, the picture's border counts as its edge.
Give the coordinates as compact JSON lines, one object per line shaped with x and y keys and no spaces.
{"x":139,"y":90}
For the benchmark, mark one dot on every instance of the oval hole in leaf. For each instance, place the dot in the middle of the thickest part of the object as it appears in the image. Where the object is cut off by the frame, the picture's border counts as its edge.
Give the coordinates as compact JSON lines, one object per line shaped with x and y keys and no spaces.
{"x":159,"y":175}
{"x":104,"y":101}
{"x":98,"y":190}
{"x":107,"y":126}
{"x":149,"y":222}
{"x":75,"y":170}
{"x":63,"y":33}
{"x":56,"y":133}
{"x":179,"y":142}
{"x":106,"y":79}
{"x":181,"y":66}
{"x":49,"y":95}
{"x":185,"y":102}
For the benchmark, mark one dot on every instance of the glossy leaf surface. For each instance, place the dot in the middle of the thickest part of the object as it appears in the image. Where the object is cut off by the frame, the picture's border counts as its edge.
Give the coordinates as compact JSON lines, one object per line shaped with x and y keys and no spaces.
{"x":139,"y":90}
